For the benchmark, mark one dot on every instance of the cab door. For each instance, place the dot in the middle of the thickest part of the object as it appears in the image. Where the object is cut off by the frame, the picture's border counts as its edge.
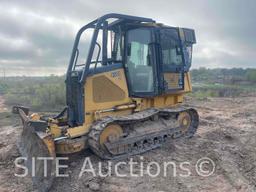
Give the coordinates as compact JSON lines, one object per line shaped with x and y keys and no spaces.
{"x":140,"y":62}
{"x":171,"y":60}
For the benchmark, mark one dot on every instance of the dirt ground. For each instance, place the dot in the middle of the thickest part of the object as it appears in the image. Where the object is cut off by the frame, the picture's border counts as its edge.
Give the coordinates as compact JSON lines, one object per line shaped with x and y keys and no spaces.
{"x":226,"y":135}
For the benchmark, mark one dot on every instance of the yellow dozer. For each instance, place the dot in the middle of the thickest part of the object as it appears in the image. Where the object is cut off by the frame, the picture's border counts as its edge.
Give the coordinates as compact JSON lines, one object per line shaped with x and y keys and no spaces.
{"x":123,"y":95}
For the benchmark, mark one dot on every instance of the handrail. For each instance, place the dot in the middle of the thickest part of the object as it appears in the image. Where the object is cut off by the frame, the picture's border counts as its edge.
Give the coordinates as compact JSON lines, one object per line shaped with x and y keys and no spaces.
{"x":96,"y":62}
{"x":76,"y":57}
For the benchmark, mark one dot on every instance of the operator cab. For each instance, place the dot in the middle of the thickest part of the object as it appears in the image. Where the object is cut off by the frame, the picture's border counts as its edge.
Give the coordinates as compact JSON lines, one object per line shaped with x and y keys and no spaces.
{"x":154,"y":57}
{"x":153,"y":54}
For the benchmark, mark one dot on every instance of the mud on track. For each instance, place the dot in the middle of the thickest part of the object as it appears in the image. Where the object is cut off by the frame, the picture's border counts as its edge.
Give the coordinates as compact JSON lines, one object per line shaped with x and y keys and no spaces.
{"x":227,"y":135}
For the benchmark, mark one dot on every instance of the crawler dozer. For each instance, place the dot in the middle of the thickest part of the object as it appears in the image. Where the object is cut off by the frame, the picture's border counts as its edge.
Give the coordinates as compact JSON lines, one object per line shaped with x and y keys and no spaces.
{"x":124,"y":94}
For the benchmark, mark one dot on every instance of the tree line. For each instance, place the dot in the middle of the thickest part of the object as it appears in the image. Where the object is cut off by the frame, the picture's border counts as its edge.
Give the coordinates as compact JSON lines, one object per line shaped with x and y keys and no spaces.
{"x":38,"y":93}
{"x":48,"y":93}
{"x":234,"y":75}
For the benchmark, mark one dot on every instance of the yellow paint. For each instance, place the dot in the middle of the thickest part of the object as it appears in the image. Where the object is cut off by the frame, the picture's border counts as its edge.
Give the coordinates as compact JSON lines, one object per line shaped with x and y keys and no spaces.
{"x":111,"y":132}
{"x":55,"y":130}
{"x":172,"y":80}
{"x":68,"y":146}
{"x":76,"y":131}
{"x":184,"y":120}
{"x":91,"y":106}
{"x":188,"y":84}
{"x":48,"y":141}
{"x":35,"y":117}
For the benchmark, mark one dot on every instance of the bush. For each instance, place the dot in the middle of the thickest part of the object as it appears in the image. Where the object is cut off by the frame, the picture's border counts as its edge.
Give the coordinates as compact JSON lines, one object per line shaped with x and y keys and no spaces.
{"x":251,"y":75}
{"x":40,"y":94}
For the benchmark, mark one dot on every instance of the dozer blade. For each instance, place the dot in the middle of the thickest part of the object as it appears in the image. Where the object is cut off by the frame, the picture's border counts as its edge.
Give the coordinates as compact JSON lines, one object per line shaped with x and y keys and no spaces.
{"x":39,"y":149}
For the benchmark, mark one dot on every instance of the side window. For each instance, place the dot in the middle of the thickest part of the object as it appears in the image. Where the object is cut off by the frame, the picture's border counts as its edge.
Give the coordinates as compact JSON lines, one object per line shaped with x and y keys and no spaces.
{"x":170,"y":56}
{"x":118,"y":47}
{"x":96,"y":61}
{"x":188,"y":54}
{"x":83,"y":49}
{"x":171,"y":50}
{"x":114,"y":49}
{"x":114,"y":44}
{"x":139,"y":53}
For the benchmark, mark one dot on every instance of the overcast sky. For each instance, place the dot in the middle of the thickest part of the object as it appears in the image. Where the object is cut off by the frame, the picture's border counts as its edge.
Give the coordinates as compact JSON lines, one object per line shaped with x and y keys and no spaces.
{"x":36,"y":37}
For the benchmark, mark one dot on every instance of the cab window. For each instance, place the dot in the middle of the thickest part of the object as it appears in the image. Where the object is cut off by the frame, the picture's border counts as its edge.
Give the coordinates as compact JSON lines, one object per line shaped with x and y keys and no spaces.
{"x":170,"y":48}
{"x":139,"y":60}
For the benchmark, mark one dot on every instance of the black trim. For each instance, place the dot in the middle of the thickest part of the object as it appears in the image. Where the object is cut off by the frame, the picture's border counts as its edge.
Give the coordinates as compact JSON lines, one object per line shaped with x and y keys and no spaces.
{"x":106,"y":68}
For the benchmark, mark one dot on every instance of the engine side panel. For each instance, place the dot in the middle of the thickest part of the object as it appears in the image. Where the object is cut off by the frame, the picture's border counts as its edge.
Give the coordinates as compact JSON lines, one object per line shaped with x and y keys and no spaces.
{"x":105,"y":90}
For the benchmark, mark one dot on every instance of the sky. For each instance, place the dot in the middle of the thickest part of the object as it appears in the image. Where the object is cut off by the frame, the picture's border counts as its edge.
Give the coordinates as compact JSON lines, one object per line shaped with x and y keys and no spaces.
{"x":36,"y":37}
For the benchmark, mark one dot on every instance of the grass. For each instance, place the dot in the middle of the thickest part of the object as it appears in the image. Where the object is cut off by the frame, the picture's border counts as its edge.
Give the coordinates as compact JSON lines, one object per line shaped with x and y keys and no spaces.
{"x":204,"y":90}
{"x":7,"y":118}
{"x":37,"y":93}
